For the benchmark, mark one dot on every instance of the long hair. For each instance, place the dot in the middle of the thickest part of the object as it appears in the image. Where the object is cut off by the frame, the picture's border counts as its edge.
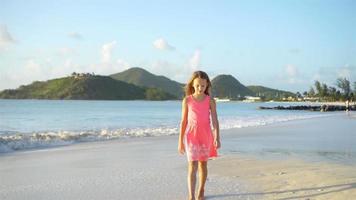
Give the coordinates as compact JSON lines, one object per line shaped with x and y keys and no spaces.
{"x":189,"y":89}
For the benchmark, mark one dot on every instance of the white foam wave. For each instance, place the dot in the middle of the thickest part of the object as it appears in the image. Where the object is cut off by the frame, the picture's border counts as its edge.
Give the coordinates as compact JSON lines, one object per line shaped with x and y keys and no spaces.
{"x":14,"y":142}
{"x":20,"y":141}
{"x":251,"y":121}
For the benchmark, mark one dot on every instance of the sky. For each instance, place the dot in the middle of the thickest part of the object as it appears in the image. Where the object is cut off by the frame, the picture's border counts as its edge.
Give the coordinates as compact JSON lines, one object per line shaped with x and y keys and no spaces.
{"x":282,"y":44}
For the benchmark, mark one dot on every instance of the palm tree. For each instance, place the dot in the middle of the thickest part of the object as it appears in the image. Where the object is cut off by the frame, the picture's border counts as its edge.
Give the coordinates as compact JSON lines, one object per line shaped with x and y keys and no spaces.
{"x":311,"y":92}
{"x":318,"y":88}
{"x":324,"y":90}
{"x":344,"y":85}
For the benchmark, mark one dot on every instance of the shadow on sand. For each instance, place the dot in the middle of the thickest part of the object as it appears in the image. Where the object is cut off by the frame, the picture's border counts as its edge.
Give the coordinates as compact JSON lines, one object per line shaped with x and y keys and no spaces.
{"x":317,"y":191}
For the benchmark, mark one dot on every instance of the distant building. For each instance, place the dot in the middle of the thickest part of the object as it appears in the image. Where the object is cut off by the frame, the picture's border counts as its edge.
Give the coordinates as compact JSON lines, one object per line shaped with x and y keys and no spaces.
{"x":251,"y":99}
{"x":217,"y":99}
{"x":311,"y":98}
{"x":290,"y":98}
{"x":81,"y":75}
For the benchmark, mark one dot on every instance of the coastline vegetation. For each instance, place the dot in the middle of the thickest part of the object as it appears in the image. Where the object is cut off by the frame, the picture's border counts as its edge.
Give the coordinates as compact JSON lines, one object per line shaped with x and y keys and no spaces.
{"x":323,"y":92}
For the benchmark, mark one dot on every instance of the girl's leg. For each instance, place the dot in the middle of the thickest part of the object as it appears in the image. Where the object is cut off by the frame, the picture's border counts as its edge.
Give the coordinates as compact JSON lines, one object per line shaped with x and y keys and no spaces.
{"x":192,"y":171}
{"x":203,"y":174}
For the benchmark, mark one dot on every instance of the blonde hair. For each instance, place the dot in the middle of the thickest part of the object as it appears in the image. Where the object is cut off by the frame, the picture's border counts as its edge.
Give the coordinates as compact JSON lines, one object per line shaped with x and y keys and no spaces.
{"x":189,"y":89}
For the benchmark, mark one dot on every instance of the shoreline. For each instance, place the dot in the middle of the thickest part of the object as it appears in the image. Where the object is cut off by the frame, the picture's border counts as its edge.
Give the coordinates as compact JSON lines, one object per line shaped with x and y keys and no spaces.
{"x":11,"y":143}
{"x":150,"y":168}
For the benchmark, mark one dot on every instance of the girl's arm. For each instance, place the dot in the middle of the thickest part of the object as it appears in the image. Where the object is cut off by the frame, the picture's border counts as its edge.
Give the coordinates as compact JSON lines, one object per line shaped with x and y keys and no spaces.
{"x":214,"y":118}
{"x":183,"y":126}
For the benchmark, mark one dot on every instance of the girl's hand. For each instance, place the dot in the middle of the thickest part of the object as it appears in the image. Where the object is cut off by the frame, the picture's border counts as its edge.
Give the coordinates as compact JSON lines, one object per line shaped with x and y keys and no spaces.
{"x":181,"y":149}
{"x":217,"y":144}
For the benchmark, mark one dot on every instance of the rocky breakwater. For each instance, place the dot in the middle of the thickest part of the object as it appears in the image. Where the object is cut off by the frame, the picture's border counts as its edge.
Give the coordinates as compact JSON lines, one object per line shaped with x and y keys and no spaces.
{"x":322,"y":108}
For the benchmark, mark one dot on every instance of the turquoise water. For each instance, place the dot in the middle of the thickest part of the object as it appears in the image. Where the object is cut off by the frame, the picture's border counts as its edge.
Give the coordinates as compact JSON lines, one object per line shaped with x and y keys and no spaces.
{"x":26,"y":124}
{"x":330,"y":139}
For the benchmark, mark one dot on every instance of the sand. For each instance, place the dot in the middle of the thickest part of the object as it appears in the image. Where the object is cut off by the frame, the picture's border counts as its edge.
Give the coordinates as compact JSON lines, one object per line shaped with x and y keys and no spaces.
{"x":140,"y":168}
{"x":150,"y":168}
{"x":289,"y":179}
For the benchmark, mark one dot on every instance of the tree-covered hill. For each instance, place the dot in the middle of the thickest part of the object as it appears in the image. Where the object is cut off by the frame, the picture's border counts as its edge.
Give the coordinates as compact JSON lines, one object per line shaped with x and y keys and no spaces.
{"x":87,"y":87}
{"x":268,"y":93}
{"x":141,"y":77}
{"x":227,"y":86}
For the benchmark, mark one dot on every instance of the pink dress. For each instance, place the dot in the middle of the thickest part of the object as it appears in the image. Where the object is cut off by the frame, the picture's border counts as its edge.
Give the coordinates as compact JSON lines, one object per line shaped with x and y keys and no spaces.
{"x":199,"y":140}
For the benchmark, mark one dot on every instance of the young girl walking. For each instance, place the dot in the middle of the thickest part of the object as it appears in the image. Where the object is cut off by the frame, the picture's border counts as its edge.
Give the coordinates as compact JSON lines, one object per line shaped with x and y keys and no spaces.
{"x":196,"y":137}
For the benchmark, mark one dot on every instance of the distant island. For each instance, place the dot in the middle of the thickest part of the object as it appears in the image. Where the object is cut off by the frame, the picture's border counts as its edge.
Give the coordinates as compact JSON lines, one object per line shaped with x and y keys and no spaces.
{"x":80,"y":86}
{"x":139,"y":84}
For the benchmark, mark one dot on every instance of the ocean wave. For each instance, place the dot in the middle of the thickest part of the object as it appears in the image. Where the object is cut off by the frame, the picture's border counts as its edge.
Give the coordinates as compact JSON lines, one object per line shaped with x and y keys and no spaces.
{"x":15,"y":142}
{"x":252,"y":121}
{"x":21,"y":141}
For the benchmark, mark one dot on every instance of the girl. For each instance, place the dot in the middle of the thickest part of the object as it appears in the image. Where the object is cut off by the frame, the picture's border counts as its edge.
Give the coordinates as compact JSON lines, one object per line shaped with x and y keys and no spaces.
{"x":196,"y":138}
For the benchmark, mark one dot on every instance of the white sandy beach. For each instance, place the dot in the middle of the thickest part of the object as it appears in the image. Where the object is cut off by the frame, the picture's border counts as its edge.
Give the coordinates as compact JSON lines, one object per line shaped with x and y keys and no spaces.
{"x":143,"y":168}
{"x":150,"y":168}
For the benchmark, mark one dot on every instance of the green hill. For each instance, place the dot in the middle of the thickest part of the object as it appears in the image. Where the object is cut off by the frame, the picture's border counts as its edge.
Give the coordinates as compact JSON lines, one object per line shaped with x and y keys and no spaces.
{"x":269,"y":93}
{"x":227,"y":86}
{"x":141,"y":77}
{"x":89,"y":87}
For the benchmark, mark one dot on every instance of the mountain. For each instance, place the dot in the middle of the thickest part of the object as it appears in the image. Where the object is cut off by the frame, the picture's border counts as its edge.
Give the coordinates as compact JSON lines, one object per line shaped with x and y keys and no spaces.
{"x":141,"y":77}
{"x":269,"y":93}
{"x":87,"y":87}
{"x":145,"y":85}
{"x":227,"y":86}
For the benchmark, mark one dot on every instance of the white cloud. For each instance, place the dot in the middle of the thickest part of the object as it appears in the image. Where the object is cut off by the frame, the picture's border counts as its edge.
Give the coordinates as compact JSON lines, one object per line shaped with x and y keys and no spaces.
{"x":68,"y":67}
{"x":106,"y":51}
{"x":347,"y":71}
{"x":103,"y":68}
{"x":123,"y":64}
{"x":37,"y":70}
{"x":32,"y":66}
{"x":195,"y":60}
{"x":75,"y":35}
{"x":5,"y":37}
{"x":108,"y":68}
{"x":44,"y":69}
{"x":291,"y":75}
{"x":291,"y":70}
{"x":165,"y":68}
{"x":9,"y":80}
{"x":162,"y":44}
{"x":175,"y":71}
{"x":329,"y":75}
{"x":41,"y":70}
{"x":325,"y":74}
{"x":29,"y":72}
{"x":316,"y":76}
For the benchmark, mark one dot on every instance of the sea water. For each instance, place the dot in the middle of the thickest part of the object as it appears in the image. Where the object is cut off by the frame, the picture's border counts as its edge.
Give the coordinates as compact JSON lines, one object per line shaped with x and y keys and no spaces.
{"x":28,"y":124}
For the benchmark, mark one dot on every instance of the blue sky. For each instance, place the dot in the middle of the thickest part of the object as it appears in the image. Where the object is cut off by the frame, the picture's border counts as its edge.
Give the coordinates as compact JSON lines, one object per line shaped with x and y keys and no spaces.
{"x":280,"y":44}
